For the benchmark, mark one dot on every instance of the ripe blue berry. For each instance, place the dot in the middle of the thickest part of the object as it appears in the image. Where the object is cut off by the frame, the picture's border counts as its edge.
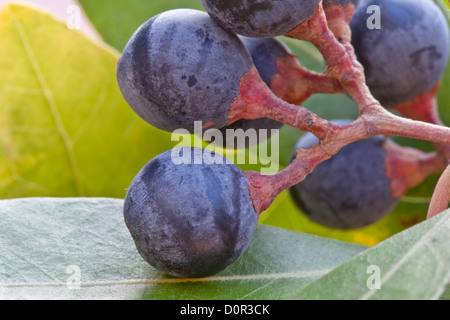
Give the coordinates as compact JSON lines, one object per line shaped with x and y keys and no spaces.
{"x":191,"y":219}
{"x":260,"y":18}
{"x":350,"y":190}
{"x":181,"y":67}
{"x":408,"y":54}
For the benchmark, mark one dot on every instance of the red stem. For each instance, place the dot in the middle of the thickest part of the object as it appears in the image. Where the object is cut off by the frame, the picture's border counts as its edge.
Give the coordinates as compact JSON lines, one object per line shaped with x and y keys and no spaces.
{"x":338,"y":18}
{"x":344,"y":66}
{"x":256,"y":101}
{"x":407,"y":167}
{"x":295,"y":84}
{"x":425,"y":108}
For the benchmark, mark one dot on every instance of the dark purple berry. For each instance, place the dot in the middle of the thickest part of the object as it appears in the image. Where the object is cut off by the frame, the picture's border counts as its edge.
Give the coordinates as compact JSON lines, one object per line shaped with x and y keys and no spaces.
{"x":260,"y":18}
{"x":181,"y":67}
{"x":188,"y":215}
{"x":350,"y":190}
{"x":407,"y":55}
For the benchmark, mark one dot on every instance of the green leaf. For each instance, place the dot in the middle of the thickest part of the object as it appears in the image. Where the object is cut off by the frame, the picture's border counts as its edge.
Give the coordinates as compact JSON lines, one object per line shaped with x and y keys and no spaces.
{"x":118,"y":20}
{"x":50,"y":243}
{"x":413,"y":264}
{"x":65,"y":129}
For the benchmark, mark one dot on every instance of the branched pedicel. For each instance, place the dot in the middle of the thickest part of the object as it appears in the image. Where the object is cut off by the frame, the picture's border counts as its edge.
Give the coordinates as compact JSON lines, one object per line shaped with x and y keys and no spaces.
{"x":374,"y":119}
{"x":191,"y":218}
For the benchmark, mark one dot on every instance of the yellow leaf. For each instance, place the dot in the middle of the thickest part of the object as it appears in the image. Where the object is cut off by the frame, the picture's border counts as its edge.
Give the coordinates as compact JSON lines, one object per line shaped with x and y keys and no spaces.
{"x":65,"y":129}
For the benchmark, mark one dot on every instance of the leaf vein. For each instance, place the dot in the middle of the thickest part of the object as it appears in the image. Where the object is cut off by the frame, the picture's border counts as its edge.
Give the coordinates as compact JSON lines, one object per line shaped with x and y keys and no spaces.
{"x":270,"y":276}
{"x":68,"y":144}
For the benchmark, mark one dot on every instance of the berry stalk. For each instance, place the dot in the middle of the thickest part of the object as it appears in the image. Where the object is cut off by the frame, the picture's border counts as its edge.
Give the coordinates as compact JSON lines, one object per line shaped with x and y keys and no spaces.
{"x":295,"y":83}
{"x":425,"y":108}
{"x":256,"y":100}
{"x":338,"y":53}
{"x":344,"y":66}
{"x":406,"y":167}
{"x":373,"y":120}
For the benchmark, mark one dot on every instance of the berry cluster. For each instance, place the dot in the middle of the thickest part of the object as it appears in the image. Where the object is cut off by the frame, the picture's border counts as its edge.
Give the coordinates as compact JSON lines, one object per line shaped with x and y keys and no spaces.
{"x":225,"y":68}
